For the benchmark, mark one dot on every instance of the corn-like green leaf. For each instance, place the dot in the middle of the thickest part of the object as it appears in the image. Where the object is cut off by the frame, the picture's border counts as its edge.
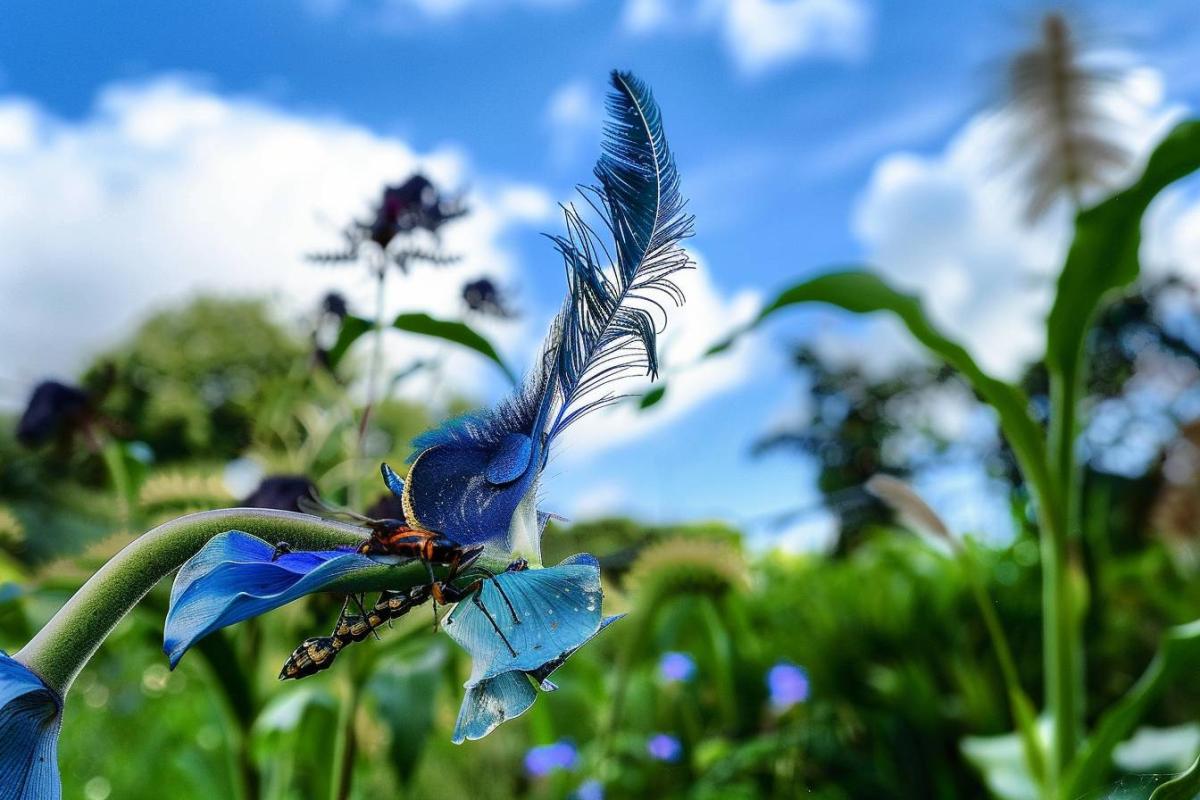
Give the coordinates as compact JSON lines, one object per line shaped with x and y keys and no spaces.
{"x":1185,"y":786}
{"x":863,"y":292}
{"x":1104,"y":253}
{"x":1179,"y":654}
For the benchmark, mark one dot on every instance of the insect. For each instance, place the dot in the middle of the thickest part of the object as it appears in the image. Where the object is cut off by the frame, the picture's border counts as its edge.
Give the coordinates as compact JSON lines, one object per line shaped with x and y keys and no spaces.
{"x":393,"y":538}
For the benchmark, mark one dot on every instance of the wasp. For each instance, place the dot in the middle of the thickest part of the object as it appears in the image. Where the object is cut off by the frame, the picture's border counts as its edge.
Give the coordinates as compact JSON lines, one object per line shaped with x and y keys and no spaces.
{"x":395,"y":539}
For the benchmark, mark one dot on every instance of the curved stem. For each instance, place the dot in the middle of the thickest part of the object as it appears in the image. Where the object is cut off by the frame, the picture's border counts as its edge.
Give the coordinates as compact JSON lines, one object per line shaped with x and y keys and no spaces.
{"x":60,"y":649}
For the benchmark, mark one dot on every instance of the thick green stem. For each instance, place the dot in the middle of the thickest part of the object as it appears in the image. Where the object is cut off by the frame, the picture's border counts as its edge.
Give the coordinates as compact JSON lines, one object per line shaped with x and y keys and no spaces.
{"x":60,"y":649}
{"x":1062,"y":632}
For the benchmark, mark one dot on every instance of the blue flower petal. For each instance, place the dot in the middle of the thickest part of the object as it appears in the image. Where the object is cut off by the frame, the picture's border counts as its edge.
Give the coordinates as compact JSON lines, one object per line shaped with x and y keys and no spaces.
{"x":393,"y":481}
{"x":507,"y":696}
{"x":511,"y":459}
{"x":30,"y":720}
{"x":491,"y":702}
{"x":557,"y":610}
{"x":449,"y":491}
{"x":234,"y":578}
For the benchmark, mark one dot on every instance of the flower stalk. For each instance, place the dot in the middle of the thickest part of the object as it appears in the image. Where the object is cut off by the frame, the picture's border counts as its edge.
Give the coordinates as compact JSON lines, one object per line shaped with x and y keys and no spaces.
{"x":60,"y":650}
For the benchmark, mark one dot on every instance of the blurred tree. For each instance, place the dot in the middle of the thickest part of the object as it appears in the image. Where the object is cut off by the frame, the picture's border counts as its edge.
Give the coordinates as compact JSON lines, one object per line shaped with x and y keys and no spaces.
{"x":1144,"y":387}
{"x":191,"y":381}
{"x":861,"y":424}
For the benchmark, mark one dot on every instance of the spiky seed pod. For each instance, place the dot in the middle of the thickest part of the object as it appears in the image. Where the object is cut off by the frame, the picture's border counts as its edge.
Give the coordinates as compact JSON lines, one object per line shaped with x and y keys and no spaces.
{"x":182,"y":489}
{"x":687,"y":566}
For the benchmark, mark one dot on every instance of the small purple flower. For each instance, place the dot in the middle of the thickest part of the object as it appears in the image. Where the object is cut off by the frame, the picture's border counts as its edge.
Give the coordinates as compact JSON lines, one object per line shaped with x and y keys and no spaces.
{"x":542,"y":760}
{"x":788,"y":684}
{"x":664,"y":747}
{"x":676,"y":667}
{"x":589,"y":790}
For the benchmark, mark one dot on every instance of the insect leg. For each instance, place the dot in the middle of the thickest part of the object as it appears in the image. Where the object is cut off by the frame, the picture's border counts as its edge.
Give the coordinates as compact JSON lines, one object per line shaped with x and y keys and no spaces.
{"x":492,"y":577}
{"x":478,"y":601}
{"x":358,"y":600}
{"x":432,"y":582}
{"x":451,"y":594}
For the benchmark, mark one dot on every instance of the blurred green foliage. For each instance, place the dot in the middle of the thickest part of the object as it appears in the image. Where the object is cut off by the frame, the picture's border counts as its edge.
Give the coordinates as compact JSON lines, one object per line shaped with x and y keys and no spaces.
{"x":191,"y":381}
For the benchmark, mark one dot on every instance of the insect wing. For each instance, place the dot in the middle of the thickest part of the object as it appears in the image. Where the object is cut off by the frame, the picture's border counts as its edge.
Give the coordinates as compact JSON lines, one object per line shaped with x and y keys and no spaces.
{"x":491,"y":702}
{"x":321,"y":508}
{"x":557,"y":609}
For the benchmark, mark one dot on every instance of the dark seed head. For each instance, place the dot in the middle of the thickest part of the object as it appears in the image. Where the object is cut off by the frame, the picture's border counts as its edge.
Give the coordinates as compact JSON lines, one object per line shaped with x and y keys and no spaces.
{"x":282,"y":492}
{"x":54,"y":409}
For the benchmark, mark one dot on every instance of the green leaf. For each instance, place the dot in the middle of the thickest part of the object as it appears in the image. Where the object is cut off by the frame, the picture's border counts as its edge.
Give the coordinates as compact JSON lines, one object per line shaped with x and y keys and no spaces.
{"x":1178,"y":654}
{"x":405,"y":691}
{"x":456,"y":332}
{"x":1104,"y":253}
{"x":1182,"y":787}
{"x":1002,"y":761}
{"x":353,"y":328}
{"x":652,"y":397}
{"x":864,"y":292}
{"x":1103,"y":259}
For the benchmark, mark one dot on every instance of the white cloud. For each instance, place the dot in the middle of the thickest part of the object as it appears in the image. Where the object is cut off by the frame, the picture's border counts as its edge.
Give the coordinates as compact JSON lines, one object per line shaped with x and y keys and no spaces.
{"x":950,"y":229}
{"x":574,"y":117}
{"x":689,"y":382}
{"x":166,"y":189}
{"x":761,"y":35}
{"x":600,"y":500}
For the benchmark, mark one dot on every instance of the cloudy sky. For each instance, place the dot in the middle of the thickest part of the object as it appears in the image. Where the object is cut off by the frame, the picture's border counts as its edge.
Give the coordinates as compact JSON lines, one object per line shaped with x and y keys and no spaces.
{"x":148,"y":151}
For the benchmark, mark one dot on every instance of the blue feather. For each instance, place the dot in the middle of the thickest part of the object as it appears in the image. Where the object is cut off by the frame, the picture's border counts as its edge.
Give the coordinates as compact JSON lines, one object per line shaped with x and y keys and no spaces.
{"x":469,"y":476}
{"x":608,"y":328}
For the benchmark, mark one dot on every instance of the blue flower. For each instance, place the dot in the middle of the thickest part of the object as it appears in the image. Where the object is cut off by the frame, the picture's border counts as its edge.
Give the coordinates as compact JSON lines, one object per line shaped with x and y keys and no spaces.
{"x":676,"y":667}
{"x":589,"y":790}
{"x":30,"y":719}
{"x":507,"y":696}
{"x":237,"y":576}
{"x":541,"y":761}
{"x":664,"y":747}
{"x":555,"y":611}
{"x":788,"y":684}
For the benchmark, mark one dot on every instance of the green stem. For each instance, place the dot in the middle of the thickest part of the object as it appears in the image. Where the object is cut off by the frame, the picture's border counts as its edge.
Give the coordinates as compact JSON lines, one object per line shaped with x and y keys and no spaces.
{"x":1019,"y":705}
{"x":1062,"y":633}
{"x":346,"y":745}
{"x":118,"y":474}
{"x":60,"y":649}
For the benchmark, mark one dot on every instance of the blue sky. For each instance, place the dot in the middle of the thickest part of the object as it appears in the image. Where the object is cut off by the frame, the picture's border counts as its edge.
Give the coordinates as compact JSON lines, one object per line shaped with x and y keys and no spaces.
{"x":791,"y":150}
